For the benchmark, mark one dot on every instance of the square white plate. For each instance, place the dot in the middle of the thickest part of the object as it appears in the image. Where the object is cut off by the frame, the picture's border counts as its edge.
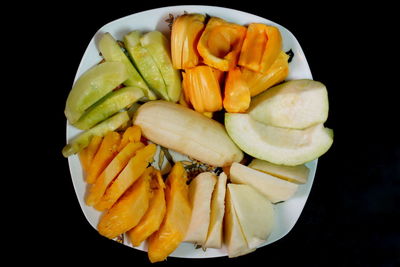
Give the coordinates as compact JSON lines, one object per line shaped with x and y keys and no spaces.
{"x":287,"y":212}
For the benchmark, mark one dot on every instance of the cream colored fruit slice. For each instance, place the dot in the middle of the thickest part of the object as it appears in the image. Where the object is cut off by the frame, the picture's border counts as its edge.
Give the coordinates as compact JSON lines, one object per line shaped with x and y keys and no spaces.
{"x":200,"y":192}
{"x":275,"y":144}
{"x":296,"y":104}
{"x":273,"y":188}
{"x":296,"y":174}
{"x":254,"y":212}
{"x":233,"y":236}
{"x":214,"y":237}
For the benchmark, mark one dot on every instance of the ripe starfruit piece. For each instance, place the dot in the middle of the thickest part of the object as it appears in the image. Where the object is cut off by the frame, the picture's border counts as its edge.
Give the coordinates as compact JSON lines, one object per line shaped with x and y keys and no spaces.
{"x":202,"y":88}
{"x":220,"y":43}
{"x":258,"y":82}
{"x":237,"y":93}
{"x":185,"y":34}
{"x":261,"y":47}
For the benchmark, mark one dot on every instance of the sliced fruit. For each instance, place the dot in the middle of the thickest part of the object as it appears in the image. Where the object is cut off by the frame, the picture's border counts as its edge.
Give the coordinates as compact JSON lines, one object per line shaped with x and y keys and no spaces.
{"x":202,"y":88}
{"x":82,"y":140}
{"x":261,"y":47}
{"x":258,"y":82}
{"x":108,"y":106}
{"x":128,"y":211}
{"x":273,"y":188}
{"x":296,"y":104}
{"x":188,"y":132}
{"x":177,"y":218}
{"x":200,"y":192}
{"x":145,"y":64}
{"x":214,"y":236}
{"x":295,"y":174}
{"x":254,"y":212}
{"x":220,"y":43}
{"x":154,"y":215}
{"x":133,"y":169}
{"x":233,"y":235}
{"x":106,"y":152}
{"x":185,"y":34}
{"x":278,"y":145}
{"x":112,"y":52}
{"x":86,"y":155}
{"x":131,"y":134}
{"x":158,"y":46}
{"x":92,"y":86}
{"x":110,"y":172}
{"x":237,"y":93}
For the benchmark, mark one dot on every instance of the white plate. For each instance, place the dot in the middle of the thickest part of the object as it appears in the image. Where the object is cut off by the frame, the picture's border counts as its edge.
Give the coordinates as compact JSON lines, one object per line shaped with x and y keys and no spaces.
{"x":287,"y":212}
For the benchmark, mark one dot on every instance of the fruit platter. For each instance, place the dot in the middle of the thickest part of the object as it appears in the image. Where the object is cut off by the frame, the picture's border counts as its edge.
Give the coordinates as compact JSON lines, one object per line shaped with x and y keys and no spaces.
{"x":194,"y":131}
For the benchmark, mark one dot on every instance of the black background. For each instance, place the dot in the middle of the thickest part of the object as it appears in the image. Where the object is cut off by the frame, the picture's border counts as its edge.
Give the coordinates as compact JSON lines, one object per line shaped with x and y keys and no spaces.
{"x":350,"y":215}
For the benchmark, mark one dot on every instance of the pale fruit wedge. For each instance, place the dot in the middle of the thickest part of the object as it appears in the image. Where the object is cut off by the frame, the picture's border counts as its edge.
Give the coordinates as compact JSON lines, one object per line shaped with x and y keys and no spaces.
{"x":233,"y":235}
{"x":214,"y":236}
{"x":273,"y":188}
{"x":83,"y":139}
{"x":278,"y":145}
{"x":296,"y":104}
{"x":108,"y":106}
{"x":200,"y":192}
{"x":93,"y":85}
{"x":295,"y":174}
{"x":188,"y":132}
{"x":254,"y":212}
{"x":112,"y":52}
{"x":158,"y":46}
{"x":145,"y":63}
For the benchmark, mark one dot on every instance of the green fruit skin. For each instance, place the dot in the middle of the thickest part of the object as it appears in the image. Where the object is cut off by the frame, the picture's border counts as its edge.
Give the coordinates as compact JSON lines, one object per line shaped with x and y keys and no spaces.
{"x":92,"y":86}
{"x":158,"y":46}
{"x":101,"y":129}
{"x":108,"y":106}
{"x":145,"y":63}
{"x":111,"y":51}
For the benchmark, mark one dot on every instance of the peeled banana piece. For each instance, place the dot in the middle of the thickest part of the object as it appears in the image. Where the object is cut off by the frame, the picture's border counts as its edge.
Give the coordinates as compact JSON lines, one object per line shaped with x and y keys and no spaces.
{"x":188,"y":132}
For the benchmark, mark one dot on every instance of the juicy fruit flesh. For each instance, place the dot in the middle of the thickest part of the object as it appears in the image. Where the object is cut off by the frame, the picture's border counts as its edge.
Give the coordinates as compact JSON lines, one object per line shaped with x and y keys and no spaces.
{"x":145,"y":63}
{"x":188,"y":132}
{"x":111,"y":104}
{"x":296,"y":104}
{"x":255,"y":213}
{"x":111,"y":51}
{"x":278,"y":145}
{"x":92,"y":86}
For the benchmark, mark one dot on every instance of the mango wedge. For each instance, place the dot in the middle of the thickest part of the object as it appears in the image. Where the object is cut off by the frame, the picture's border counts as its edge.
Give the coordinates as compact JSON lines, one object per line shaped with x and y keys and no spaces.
{"x":110,"y":172}
{"x":106,"y":152}
{"x":131,"y":134}
{"x":111,"y":52}
{"x":177,"y":218}
{"x":154,"y":216}
{"x":135,"y":167}
{"x":128,"y":211}
{"x":86,"y":155}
